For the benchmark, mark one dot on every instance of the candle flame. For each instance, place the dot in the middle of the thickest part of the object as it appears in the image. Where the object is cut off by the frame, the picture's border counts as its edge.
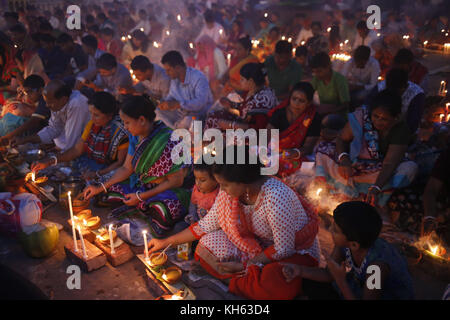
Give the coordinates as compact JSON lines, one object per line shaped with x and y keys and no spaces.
{"x":266,"y":15}
{"x":425,"y":42}
{"x":303,"y":43}
{"x":346,"y":41}
{"x":179,"y":17}
{"x":124,"y":38}
{"x":329,"y":29}
{"x":221,"y":31}
{"x":155,"y":44}
{"x":144,"y":231}
{"x":129,"y":37}
{"x":283,"y":38}
{"x":290,"y":40}
{"x":191,"y":45}
{"x":168,"y":32}
{"x":142,"y":29}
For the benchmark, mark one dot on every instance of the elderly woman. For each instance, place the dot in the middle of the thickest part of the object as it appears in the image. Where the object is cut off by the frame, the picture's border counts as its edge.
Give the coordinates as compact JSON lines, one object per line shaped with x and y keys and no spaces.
{"x":148,"y":180}
{"x":255,"y":223}
{"x":252,"y":112}
{"x":103,"y":145}
{"x":299,"y":126}
{"x":367,"y":158}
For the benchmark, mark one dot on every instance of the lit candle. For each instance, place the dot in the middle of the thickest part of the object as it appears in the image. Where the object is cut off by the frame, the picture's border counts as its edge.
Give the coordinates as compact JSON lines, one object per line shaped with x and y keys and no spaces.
{"x":442,"y":88}
{"x":229,"y":59}
{"x":124,"y":38}
{"x":179,"y":17}
{"x":82,"y":243}
{"x":191,"y":45}
{"x":425,"y":43}
{"x":129,"y":37}
{"x":73,"y":222}
{"x":155,"y":44}
{"x":144,"y":234}
{"x":346,"y":41}
{"x":168,"y":32}
{"x":293,"y":51}
{"x":378,"y":34}
{"x":283,"y":38}
{"x":266,"y":14}
{"x":142,"y":29}
{"x":290,"y":40}
{"x":303,"y":43}
{"x":380,"y":78}
{"x":447,"y":48}
{"x":329,"y":29}
{"x":221,"y":31}
{"x":111,"y":240}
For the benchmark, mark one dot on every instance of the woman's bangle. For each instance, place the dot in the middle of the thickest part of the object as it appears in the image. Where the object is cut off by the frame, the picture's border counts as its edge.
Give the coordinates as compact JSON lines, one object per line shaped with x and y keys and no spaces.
{"x":375,"y":187}
{"x":56,"y":160}
{"x":104,"y":188}
{"x":341,"y":155}
{"x":138,"y":196}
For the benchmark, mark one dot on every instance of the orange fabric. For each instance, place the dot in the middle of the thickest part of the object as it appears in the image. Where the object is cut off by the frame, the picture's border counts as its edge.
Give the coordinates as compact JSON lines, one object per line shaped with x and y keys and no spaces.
{"x":204,"y":200}
{"x":269,"y":283}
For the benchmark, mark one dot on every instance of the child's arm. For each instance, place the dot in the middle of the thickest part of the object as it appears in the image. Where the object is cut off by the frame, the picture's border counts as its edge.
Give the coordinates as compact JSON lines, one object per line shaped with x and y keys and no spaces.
{"x":192,"y":216}
{"x":292,"y":271}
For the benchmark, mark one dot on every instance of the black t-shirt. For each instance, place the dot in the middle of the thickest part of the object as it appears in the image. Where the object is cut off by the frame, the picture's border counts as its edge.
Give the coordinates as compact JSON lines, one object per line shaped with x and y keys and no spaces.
{"x":279,"y":121}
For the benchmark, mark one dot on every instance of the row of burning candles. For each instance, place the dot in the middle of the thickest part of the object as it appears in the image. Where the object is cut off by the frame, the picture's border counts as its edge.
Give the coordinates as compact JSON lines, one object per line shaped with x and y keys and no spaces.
{"x":78,"y":226}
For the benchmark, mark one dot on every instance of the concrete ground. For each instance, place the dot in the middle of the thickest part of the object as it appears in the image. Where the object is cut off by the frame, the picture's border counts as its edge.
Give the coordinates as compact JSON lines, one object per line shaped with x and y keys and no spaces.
{"x":129,"y":281}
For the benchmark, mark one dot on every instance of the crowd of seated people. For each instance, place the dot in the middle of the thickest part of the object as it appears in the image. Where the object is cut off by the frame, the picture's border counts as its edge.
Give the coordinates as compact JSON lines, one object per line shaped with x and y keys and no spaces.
{"x":109,"y":96}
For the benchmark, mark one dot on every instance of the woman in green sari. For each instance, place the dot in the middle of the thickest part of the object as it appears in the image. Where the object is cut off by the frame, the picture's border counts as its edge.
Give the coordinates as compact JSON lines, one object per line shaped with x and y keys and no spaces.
{"x":153,"y":188}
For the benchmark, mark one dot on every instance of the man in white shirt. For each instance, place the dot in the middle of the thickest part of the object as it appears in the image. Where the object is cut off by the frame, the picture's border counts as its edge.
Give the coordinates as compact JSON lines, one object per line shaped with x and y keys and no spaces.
{"x":69,"y":115}
{"x":153,"y":80}
{"x":189,"y":93}
{"x":143,"y":23}
{"x":362,"y":72}
{"x":365,"y":37}
{"x":212,"y":29}
{"x":305,"y":33}
{"x":90,"y":48}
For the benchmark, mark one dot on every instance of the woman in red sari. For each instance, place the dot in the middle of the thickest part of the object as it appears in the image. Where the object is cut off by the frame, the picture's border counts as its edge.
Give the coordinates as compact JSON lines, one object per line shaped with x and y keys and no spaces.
{"x":299,"y":125}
